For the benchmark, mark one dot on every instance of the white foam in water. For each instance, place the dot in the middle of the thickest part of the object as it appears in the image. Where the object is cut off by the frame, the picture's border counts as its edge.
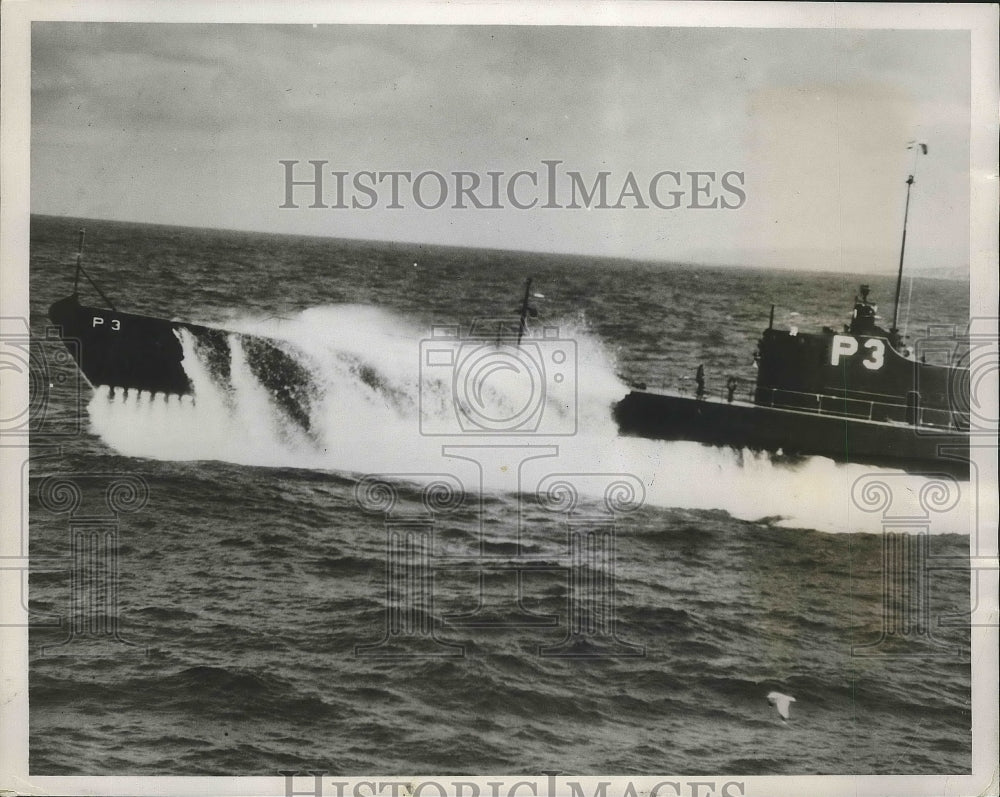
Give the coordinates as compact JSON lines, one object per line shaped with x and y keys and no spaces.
{"x":366,"y":418}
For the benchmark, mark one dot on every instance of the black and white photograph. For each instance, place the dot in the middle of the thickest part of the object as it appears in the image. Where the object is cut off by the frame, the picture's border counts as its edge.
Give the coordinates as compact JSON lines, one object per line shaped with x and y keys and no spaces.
{"x":587,"y":399}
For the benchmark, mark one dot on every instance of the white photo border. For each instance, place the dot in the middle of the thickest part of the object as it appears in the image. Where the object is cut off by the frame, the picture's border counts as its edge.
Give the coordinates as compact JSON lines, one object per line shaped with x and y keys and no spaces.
{"x":17,"y":16}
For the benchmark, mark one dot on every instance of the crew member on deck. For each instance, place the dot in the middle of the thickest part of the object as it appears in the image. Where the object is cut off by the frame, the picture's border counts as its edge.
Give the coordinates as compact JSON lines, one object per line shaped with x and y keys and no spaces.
{"x":863,"y":317}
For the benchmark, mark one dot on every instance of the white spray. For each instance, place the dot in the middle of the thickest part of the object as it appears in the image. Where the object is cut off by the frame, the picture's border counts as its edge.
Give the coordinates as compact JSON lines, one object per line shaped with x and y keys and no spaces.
{"x":382,"y":404}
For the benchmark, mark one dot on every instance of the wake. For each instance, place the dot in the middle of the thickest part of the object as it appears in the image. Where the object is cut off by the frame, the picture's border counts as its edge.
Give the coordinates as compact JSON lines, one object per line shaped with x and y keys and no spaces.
{"x":360,"y":390}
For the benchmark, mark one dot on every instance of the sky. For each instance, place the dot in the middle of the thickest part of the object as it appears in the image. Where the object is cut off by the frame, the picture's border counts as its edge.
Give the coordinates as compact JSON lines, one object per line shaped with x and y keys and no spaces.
{"x":188,"y":124}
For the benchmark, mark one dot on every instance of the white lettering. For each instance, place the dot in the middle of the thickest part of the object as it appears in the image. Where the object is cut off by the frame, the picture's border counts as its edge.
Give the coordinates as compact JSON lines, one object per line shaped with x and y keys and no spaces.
{"x":98,"y":321}
{"x":843,"y":346}
{"x":877,"y":354}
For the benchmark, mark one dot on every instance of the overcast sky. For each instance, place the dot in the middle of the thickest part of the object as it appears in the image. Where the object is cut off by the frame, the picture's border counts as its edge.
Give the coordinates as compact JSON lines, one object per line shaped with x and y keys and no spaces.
{"x":186,"y":124}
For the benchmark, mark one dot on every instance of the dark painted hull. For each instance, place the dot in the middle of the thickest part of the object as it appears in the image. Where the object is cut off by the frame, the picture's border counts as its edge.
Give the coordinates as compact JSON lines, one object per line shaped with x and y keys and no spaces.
{"x":128,"y":351}
{"x":134,"y":352}
{"x":794,"y":433}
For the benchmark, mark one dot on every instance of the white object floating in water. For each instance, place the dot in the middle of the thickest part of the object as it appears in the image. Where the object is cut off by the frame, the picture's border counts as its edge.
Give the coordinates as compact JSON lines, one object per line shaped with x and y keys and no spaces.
{"x":781,"y":702}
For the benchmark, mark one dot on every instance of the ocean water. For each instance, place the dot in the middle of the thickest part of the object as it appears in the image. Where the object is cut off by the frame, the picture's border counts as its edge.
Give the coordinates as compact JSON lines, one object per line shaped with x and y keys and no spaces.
{"x":258,"y":600}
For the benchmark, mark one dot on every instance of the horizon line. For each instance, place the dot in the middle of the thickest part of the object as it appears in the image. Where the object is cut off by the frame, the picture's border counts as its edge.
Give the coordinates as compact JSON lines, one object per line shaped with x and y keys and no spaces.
{"x":949,"y":273}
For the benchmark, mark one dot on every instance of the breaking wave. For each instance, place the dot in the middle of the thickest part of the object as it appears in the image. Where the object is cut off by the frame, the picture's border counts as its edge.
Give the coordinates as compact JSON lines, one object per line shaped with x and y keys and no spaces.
{"x":358,"y":389}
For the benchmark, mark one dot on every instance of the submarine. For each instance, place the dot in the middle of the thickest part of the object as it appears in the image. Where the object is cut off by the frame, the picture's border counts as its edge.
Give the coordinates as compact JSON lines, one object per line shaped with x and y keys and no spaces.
{"x":128,"y":352}
{"x":857,"y":395}
{"x":849,"y":395}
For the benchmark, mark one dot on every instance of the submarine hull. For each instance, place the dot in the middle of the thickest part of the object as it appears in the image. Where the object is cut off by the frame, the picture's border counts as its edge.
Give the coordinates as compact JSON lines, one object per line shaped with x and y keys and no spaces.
{"x":126,"y":350}
{"x":661,"y":416}
{"x":143,"y":353}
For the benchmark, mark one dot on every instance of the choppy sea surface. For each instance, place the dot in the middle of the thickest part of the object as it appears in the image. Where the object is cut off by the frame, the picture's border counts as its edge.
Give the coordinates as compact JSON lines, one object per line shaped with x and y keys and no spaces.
{"x":250,"y":598}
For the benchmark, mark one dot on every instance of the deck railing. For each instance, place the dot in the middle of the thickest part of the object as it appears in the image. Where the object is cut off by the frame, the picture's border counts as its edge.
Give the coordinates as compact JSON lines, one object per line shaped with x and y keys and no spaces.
{"x":863,"y":409}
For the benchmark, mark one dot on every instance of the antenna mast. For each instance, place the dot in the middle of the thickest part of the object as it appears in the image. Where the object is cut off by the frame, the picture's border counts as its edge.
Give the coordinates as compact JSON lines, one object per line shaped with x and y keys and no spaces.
{"x":918,"y":147}
{"x":522,"y":326}
{"x":79,"y":260}
{"x":81,"y":270}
